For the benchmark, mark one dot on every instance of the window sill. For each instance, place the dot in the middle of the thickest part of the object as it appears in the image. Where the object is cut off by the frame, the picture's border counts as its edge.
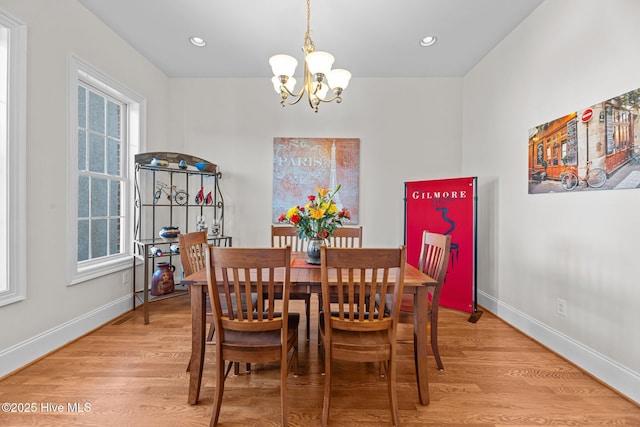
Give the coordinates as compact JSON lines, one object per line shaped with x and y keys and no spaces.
{"x":96,"y":270}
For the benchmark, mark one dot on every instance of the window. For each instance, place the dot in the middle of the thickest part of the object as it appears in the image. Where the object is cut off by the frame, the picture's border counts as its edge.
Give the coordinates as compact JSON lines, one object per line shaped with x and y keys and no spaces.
{"x":100,"y":174}
{"x":105,"y":119}
{"x":13,"y":95}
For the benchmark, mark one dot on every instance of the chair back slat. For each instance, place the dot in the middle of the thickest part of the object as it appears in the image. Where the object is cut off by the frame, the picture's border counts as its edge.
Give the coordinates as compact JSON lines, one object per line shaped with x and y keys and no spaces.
{"x":192,"y":251}
{"x":362,"y":276}
{"x":434,"y":257}
{"x":287,"y":235}
{"x":346,"y":237}
{"x":235,"y":273}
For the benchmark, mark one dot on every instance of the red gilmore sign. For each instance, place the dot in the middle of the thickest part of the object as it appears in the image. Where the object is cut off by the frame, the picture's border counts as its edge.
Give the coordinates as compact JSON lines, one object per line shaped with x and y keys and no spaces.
{"x":586,"y":115}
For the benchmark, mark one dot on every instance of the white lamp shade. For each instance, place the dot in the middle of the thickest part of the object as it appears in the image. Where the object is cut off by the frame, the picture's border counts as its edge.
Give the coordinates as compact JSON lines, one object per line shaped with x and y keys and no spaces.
{"x":339,"y":78}
{"x":283,"y":65}
{"x":319,"y":62}
{"x":291,"y":84}
{"x":276,"y":84}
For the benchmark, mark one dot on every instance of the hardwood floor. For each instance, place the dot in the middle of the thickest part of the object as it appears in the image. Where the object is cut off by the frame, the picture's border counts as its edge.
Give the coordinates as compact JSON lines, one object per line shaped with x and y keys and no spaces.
{"x":127,"y":373}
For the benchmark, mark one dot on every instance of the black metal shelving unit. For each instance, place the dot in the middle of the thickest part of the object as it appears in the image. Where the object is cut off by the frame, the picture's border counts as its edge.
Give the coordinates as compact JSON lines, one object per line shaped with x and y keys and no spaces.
{"x":155,"y":208}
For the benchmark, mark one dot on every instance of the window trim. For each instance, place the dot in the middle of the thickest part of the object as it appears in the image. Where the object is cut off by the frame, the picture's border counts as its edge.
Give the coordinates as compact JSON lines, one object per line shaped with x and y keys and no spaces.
{"x":78,"y":272}
{"x":16,"y":244}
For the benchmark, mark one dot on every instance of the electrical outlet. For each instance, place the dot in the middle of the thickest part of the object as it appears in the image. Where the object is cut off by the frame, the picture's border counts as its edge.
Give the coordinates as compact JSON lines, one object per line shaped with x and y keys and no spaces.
{"x":126,"y":278}
{"x":562,"y":307}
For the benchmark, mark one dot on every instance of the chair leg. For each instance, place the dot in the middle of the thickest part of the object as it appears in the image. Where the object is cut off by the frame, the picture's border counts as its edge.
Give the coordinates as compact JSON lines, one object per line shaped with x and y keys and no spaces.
{"x":307,"y":308}
{"x":436,"y":354}
{"x":391,"y":384}
{"x":284,"y":371}
{"x":327,"y":387}
{"x":217,"y":394}
{"x":321,"y":348}
{"x":293,"y":362}
{"x":322,"y":368}
{"x":212,"y":331}
{"x":319,"y":310}
{"x":434,"y":343}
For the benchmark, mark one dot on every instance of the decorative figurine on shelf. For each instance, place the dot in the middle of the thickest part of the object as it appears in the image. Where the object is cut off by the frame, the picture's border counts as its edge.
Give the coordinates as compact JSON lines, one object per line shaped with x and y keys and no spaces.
{"x":174,"y":249}
{"x":171,"y":191}
{"x":200,"y":196}
{"x":169,"y":232}
{"x":215,"y":228}
{"x":155,"y":251}
{"x":182,"y":164}
{"x":201,"y":223}
{"x":159,"y":162}
{"x":201,"y":166}
{"x":209,"y":199}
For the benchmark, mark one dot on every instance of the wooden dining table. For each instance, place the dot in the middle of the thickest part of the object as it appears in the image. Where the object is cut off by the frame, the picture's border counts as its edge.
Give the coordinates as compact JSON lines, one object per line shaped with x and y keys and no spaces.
{"x":306,"y":279}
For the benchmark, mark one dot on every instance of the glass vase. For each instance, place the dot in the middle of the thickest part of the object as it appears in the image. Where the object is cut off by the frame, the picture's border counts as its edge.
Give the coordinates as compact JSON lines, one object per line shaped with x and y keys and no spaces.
{"x":313,"y":251}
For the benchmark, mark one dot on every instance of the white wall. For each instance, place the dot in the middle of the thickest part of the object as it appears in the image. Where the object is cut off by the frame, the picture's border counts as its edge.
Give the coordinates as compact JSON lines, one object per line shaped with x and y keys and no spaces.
{"x":533,"y":248}
{"x":409,"y":129}
{"x":53,"y":312}
{"x":581,"y":247}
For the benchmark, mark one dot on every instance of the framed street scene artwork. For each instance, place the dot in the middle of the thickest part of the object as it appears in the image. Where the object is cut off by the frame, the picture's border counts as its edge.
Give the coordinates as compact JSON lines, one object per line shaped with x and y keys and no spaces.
{"x":597,"y":148}
{"x":301,"y":165}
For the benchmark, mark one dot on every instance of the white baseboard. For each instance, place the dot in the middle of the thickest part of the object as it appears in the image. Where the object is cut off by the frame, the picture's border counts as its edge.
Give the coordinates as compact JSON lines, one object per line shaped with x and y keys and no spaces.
{"x":616,"y":376}
{"x":23,"y":353}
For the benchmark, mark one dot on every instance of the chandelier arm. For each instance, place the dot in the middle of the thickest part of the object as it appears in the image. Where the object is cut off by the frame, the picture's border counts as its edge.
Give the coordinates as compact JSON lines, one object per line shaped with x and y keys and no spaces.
{"x":283,"y":88}
{"x":308,"y":85}
{"x":336,"y":97}
{"x":298,"y":98}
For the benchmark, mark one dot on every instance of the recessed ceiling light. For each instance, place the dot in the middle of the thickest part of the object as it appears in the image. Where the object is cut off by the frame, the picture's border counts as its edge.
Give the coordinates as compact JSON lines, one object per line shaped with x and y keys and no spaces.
{"x":428,"y":41}
{"x":197,"y":41}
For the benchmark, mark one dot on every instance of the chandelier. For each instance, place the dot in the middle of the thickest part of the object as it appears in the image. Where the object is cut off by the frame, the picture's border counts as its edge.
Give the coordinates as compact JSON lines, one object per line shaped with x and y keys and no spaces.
{"x":318,"y":75}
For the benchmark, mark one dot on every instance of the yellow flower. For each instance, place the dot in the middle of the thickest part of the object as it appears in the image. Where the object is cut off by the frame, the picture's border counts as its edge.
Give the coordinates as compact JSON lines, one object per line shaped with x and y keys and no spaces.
{"x":332,"y":209}
{"x":316,"y":213}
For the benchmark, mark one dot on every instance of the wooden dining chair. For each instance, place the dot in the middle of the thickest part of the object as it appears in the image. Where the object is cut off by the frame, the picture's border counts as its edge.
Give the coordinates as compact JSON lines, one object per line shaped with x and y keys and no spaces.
{"x":193,"y":259}
{"x":433,"y":261}
{"x":287,"y":235}
{"x":270,"y":333}
{"x":343,"y":237}
{"x":353,"y":332}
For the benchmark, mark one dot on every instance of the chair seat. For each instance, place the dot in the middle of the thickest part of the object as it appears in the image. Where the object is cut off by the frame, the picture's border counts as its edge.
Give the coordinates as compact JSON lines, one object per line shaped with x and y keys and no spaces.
{"x":356,"y":346}
{"x":260,"y":346}
{"x":264,"y":339}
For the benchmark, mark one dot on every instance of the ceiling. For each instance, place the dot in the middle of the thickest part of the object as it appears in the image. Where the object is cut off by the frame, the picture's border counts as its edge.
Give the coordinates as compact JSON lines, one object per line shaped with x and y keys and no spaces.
{"x":370,"y":38}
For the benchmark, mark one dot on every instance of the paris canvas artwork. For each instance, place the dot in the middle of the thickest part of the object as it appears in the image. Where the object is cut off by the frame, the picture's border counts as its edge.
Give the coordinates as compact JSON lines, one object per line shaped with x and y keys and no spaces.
{"x":301,"y":165}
